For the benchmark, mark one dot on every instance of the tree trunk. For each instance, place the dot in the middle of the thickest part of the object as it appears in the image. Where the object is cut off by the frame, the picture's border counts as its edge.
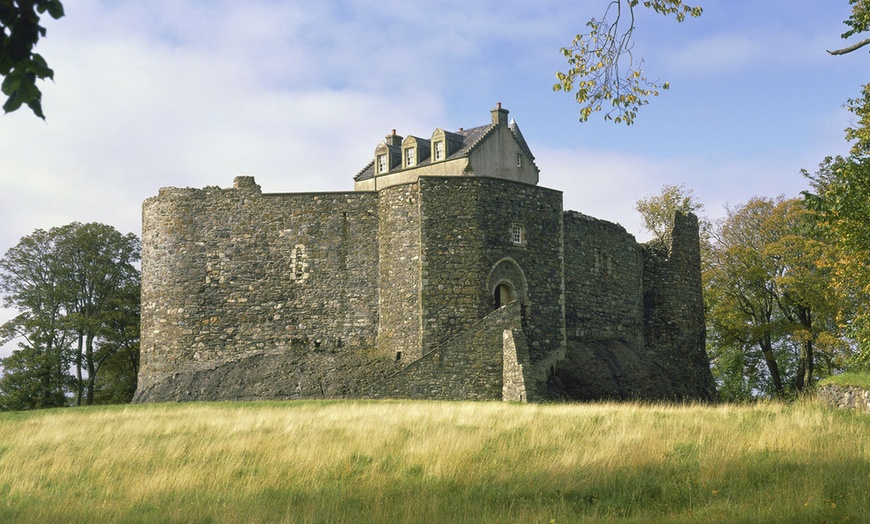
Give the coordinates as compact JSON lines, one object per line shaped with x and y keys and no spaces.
{"x":804,"y":377}
{"x":79,"y":382}
{"x":810,"y":363}
{"x":800,"y":379}
{"x":773,"y":367}
{"x":92,"y":371}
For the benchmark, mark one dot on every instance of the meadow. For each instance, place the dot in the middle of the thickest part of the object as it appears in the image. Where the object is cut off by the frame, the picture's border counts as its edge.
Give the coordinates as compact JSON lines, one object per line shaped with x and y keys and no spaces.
{"x":403,"y":461}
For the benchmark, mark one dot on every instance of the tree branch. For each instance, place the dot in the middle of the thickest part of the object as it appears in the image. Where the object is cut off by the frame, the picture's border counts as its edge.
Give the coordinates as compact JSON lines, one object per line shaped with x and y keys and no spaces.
{"x":851,"y":48}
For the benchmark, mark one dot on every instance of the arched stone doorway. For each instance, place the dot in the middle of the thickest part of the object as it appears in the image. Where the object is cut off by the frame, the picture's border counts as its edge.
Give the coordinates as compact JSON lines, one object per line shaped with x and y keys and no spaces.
{"x":507,"y":283}
{"x":504,"y":294}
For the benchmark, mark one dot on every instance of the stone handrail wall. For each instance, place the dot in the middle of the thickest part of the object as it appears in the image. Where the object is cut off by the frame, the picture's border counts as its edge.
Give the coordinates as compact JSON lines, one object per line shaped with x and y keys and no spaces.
{"x":846,"y":397}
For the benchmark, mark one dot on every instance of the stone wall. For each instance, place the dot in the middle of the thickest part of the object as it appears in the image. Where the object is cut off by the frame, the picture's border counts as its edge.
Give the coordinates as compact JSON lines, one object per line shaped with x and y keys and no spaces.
{"x":674,"y":328}
{"x":634,"y":315}
{"x":248,"y":295}
{"x":469,"y":366}
{"x":466,"y":239}
{"x":399,"y":273}
{"x":603,"y":281}
{"x":232,"y":273}
{"x":845,"y":397}
{"x":517,"y":381}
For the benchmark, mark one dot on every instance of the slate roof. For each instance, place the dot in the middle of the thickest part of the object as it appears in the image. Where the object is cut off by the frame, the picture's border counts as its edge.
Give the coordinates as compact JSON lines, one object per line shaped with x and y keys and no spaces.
{"x":471,"y":138}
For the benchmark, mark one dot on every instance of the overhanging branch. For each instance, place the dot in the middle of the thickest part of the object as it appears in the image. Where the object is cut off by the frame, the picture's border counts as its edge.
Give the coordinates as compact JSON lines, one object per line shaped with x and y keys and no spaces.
{"x":851,"y":48}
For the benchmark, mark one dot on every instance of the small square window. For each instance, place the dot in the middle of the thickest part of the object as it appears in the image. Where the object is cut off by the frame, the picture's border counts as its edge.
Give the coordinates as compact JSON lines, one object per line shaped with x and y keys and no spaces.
{"x":409,"y":157}
{"x":382,"y":163}
{"x":519,"y":160}
{"x":439,"y":150}
{"x":518,"y":234}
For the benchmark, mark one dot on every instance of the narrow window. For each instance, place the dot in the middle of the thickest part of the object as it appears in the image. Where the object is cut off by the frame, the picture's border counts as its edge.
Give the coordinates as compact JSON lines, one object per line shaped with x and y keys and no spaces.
{"x":409,"y":157}
{"x":519,"y":160}
{"x":382,"y":163}
{"x":439,"y":150}
{"x":518,"y":234}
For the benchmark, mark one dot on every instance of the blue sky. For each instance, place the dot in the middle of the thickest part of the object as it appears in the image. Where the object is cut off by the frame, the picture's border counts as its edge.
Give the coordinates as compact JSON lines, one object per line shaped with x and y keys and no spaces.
{"x":193,"y":93}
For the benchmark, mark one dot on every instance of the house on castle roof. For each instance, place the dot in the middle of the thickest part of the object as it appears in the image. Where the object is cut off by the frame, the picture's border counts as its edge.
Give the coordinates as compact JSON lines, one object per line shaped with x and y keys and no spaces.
{"x":496,"y":150}
{"x":448,"y":273}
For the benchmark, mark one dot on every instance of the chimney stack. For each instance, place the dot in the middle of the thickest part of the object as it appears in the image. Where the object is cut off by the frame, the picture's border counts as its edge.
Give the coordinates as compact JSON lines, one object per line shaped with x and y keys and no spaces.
{"x":393,"y":139}
{"x":499,"y":116}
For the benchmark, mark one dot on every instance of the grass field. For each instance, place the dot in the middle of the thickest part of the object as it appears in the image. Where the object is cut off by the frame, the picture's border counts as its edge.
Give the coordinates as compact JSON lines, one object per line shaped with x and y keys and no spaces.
{"x":861,"y":379}
{"x":435,"y":462}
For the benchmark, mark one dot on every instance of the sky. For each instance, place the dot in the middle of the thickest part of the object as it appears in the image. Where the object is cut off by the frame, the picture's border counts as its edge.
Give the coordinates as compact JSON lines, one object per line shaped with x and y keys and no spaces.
{"x":190,"y":93}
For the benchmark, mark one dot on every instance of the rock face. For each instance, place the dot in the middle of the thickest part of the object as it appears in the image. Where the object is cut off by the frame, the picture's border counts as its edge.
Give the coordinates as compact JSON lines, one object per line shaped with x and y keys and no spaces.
{"x":466,"y":285}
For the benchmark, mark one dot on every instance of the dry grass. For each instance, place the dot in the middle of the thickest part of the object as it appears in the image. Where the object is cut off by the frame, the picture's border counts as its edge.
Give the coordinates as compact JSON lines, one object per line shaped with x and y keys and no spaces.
{"x":435,"y":462}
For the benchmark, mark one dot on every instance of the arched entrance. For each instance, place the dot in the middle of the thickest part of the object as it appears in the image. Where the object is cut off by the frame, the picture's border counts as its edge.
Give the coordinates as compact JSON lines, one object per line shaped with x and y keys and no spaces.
{"x":507,"y":283}
{"x":504,"y":294}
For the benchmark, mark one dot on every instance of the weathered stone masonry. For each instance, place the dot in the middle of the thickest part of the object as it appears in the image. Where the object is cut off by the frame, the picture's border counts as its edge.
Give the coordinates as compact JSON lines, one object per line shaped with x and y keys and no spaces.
{"x":447,"y":274}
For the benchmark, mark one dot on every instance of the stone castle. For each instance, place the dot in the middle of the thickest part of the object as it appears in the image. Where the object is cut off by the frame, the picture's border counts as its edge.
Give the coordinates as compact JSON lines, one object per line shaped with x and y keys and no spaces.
{"x":447,"y":274}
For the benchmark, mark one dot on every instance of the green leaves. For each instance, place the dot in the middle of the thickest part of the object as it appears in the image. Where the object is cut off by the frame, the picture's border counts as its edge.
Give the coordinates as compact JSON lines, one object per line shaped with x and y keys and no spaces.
{"x":859,"y":20}
{"x":658,"y":211}
{"x":840,"y":198}
{"x":21,"y":67}
{"x":603,"y":73}
{"x":76,"y":288}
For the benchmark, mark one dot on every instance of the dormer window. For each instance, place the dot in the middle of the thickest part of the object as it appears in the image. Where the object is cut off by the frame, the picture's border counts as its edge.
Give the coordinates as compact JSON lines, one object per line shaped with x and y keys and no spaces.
{"x":439,"y":150}
{"x":519,"y":160}
{"x":409,"y":157}
{"x":382,"y":164}
{"x":444,"y":144}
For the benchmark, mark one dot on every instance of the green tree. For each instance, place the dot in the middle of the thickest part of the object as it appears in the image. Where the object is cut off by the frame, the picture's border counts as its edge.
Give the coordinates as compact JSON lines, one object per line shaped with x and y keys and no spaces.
{"x":99,"y":265}
{"x":117,"y":354}
{"x":840,"y":196}
{"x":740,"y":301}
{"x":768,"y":297}
{"x":658,"y":211}
{"x":603,"y":73}
{"x":77,"y":293}
{"x":802,"y":285}
{"x":858,"y":22}
{"x":33,"y":281}
{"x":20,"y":67}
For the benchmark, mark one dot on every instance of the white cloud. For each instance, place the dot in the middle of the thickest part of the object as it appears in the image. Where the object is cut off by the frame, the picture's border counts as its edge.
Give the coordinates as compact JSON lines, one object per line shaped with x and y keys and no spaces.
{"x":186,"y":93}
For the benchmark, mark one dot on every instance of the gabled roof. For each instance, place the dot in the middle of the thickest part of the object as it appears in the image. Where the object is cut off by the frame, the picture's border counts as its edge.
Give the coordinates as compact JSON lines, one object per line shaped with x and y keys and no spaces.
{"x":470,"y":140}
{"x":518,"y":136}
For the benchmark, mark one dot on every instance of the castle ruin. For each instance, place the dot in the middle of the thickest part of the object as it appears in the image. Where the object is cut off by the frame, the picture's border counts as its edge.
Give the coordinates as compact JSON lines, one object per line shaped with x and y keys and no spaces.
{"x":447,"y":274}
